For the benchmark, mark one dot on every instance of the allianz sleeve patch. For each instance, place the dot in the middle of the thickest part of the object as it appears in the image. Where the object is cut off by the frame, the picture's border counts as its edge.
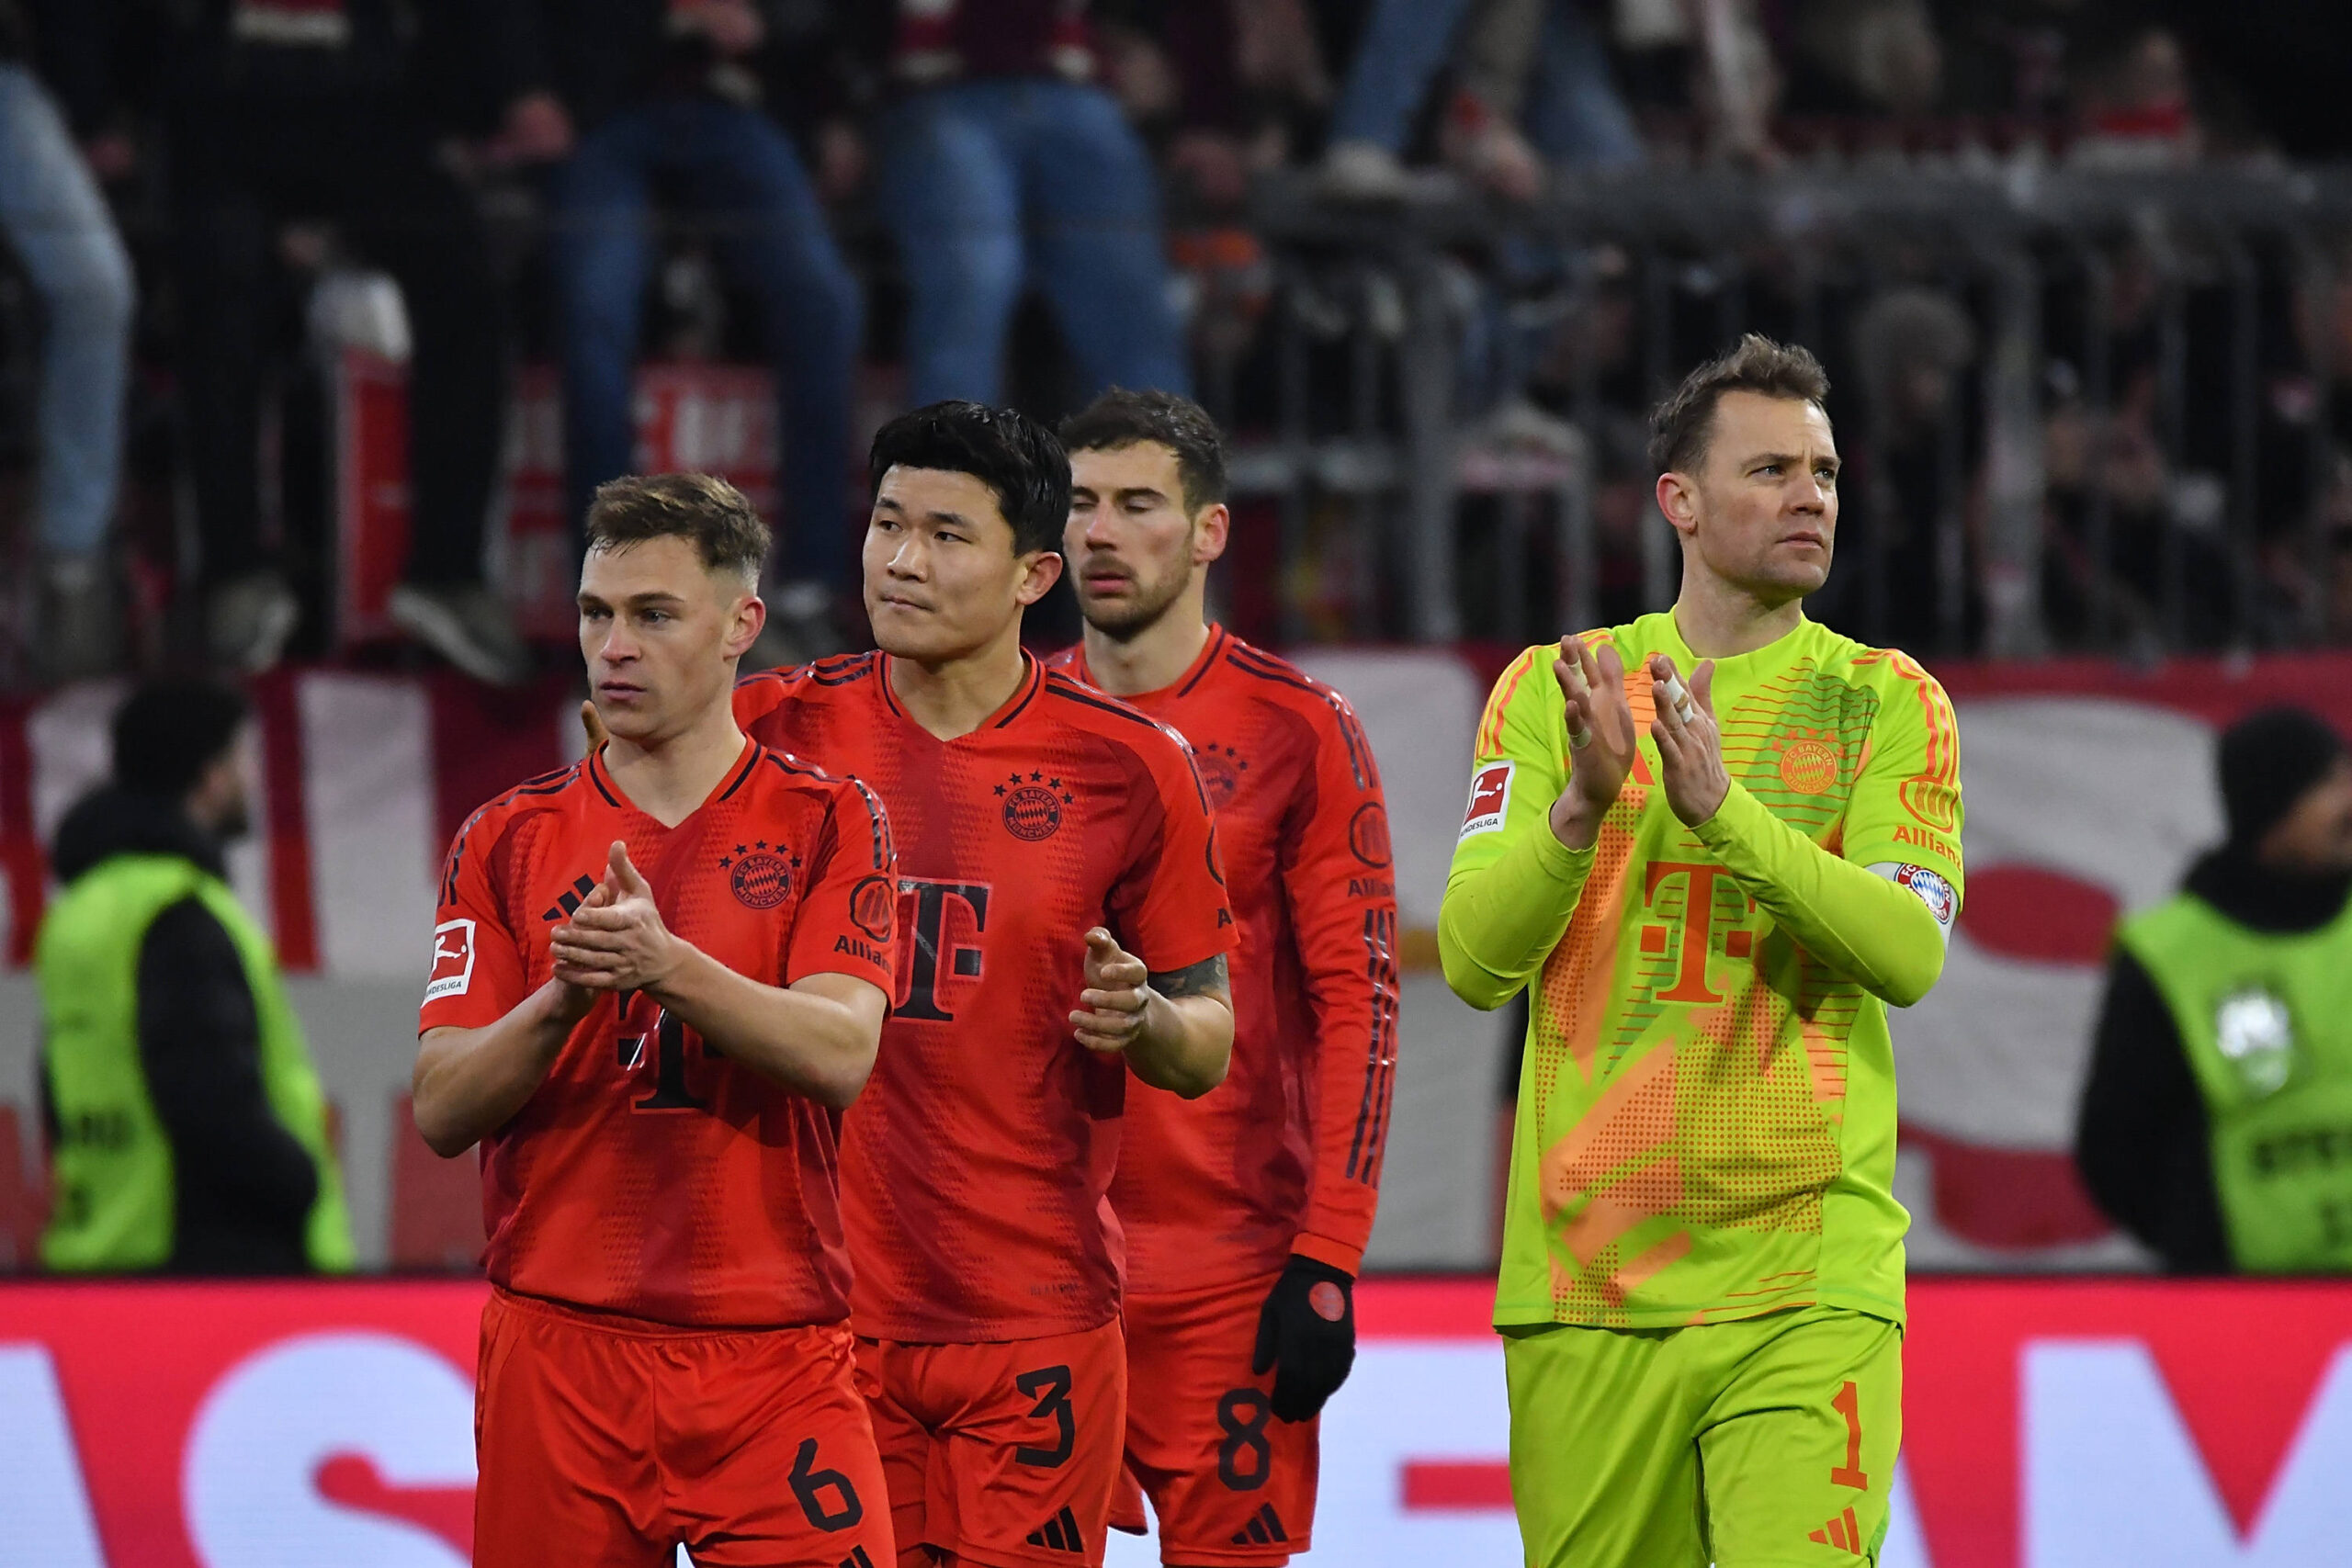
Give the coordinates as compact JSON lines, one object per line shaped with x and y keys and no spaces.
{"x":1489,"y":799}
{"x":1930,"y":889}
{"x":453,"y":960}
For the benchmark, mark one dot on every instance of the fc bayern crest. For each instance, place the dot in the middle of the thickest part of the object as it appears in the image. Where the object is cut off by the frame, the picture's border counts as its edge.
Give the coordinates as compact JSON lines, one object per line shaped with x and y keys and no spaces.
{"x":1221,"y":770}
{"x":1032,"y":806}
{"x":761,"y":880}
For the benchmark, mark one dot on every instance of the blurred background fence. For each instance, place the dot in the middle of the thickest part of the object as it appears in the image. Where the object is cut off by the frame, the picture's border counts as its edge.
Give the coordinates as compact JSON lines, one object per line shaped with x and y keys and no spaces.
{"x":2082,"y":409}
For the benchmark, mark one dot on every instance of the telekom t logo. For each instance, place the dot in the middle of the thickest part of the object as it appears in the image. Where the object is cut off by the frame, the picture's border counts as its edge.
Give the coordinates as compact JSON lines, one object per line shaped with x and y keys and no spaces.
{"x":1699,"y":879}
{"x":945,"y":921}
{"x":2112,"y":1476}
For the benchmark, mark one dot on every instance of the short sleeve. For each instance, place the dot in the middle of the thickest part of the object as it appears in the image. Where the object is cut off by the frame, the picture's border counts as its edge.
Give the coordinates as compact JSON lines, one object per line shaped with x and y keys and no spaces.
{"x":478,"y":972}
{"x":1905,"y":809}
{"x":1170,"y":908}
{"x":847,"y":919}
{"x":1516,"y":769}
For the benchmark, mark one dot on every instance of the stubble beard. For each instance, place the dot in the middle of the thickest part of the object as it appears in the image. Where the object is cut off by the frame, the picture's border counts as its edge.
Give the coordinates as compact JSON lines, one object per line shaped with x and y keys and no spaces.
{"x":1125,"y":623}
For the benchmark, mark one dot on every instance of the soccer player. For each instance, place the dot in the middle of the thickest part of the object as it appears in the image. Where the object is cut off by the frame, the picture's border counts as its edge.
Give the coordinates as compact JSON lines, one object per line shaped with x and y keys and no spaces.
{"x":1245,"y":1213}
{"x":658,"y":979}
{"x":1067,"y":925}
{"x":1714,"y":845}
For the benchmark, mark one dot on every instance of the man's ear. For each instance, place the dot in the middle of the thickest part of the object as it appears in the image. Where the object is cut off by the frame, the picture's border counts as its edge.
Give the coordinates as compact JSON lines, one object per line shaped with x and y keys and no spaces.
{"x":1039,"y":571}
{"x":745,"y":622}
{"x":1678,"y":498}
{"x":1212,"y":531}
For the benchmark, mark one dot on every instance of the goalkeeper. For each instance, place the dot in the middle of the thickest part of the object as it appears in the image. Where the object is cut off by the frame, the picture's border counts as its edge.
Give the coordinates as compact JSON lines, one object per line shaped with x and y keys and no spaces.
{"x":1715,"y":846}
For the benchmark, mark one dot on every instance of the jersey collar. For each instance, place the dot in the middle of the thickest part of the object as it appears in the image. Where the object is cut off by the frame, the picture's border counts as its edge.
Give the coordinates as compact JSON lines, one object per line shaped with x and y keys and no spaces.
{"x":1032,"y":678}
{"x":1180,"y":686}
{"x":600,"y":776}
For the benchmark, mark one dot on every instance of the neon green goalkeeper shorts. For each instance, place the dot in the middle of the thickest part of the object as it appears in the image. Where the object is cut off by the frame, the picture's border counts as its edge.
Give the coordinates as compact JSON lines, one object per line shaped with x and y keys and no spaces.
{"x":1760,"y":1443}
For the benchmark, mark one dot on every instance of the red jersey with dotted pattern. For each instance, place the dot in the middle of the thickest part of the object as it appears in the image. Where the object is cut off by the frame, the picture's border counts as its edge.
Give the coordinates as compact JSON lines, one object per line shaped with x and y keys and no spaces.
{"x":1284,"y":1156}
{"x":649,"y":1175}
{"x":977,"y":1166}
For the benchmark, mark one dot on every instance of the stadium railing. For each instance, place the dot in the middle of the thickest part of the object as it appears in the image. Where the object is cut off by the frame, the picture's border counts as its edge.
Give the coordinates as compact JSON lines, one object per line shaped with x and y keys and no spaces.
{"x":1419,"y":356}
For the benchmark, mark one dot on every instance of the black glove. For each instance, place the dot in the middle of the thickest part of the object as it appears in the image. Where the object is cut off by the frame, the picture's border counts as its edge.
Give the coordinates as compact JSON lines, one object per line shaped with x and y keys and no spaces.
{"x":1306,"y":1337}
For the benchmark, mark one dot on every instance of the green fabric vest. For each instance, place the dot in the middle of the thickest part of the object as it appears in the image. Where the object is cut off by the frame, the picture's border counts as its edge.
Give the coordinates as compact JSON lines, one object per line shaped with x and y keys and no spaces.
{"x":2266,"y":1020}
{"x":112,"y":1168}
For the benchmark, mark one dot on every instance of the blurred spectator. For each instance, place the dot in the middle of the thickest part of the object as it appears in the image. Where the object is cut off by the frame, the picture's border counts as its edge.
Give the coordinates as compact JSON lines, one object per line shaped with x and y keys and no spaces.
{"x":1868,"y":56}
{"x":2135,"y":108}
{"x":1534,"y":85}
{"x":186,"y":1128}
{"x":1403,"y":47}
{"x":1003,"y":164}
{"x":2217,"y":1122}
{"x":667,"y":96}
{"x":1706,"y":61}
{"x":1912,"y":345}
{"x":57,"y":224}
{"x":1222,"y":90}
{"x":275,"y":110}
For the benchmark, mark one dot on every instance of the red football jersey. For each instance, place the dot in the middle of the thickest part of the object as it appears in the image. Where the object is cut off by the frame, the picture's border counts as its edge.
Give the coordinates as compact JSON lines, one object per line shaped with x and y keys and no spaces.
{"x":649,"y":1175}
{"x":975,"y":1166}
{"x":1286,"y":1155}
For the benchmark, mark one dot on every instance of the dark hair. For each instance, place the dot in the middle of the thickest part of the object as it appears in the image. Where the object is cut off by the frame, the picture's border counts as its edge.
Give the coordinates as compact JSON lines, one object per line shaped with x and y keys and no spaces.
{"x":172,"y":728}
{"x":1121,"y":418}
{"x":2265,"y":762}
{"x":703,"y":509}
{"x":1681,"y":425}
{"x":1003,"y":448}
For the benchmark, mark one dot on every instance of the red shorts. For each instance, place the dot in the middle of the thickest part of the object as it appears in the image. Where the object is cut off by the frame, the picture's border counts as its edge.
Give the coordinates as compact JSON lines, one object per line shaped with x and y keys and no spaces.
{"x":608,"y":1441}
{"x":1002,"y":1454}
{"x":1228,"y":1482}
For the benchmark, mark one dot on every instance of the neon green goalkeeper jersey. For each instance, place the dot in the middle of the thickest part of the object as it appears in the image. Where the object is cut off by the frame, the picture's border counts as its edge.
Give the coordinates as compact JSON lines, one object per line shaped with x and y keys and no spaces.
{"x":1706,"y":1112}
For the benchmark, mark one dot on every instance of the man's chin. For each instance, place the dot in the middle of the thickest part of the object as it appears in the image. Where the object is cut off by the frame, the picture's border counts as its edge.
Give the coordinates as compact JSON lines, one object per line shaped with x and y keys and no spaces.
{"x":1795,"y":579}
{"x":901,"y":641}
{"x":632,"y":724}
{"x":1120,"y":619}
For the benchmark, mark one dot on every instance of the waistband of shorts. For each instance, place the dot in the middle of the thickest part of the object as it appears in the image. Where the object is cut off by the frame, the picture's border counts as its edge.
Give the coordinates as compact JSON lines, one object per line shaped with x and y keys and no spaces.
{"x":1114,"y":1321}
{"x":601,"y":1322}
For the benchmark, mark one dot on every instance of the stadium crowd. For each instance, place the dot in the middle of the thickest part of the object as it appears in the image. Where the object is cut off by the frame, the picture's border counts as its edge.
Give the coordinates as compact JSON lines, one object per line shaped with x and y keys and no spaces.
{"x":871,"y":195}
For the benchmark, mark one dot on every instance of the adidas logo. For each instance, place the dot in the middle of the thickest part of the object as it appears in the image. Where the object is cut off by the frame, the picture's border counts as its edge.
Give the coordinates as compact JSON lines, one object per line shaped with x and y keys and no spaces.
{"x":1841,"y":1532}
{"x":1059,"y":1534}
{"x":562,"y":907}
{"x":1265,"y":1528}
{"x":857,"y":1558}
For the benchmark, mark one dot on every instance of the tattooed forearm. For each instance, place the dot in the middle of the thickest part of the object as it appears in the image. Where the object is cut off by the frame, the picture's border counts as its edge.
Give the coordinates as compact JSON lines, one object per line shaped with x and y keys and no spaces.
{"x":1207,"y":978}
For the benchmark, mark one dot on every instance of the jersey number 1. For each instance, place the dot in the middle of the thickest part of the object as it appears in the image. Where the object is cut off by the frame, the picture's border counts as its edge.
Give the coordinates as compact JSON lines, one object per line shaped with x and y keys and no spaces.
{"x":1848,"y":1404}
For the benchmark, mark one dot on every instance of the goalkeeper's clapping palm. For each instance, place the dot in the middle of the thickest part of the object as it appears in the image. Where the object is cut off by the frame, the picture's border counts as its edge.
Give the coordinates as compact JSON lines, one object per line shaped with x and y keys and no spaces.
{"x":1601,"y":735}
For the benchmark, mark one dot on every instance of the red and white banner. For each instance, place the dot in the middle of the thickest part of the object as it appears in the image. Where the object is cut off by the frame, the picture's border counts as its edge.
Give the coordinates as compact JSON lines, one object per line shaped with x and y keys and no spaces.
{"x":2089,"y":788}
{"x":2048,"y":1424}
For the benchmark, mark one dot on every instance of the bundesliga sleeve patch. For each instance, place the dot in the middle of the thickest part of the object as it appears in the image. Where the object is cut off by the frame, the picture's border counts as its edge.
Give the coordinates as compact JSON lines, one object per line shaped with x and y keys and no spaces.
{"x":1489,"y":799}
{"x":453,"y":960}
{"x":1930,"y":889}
